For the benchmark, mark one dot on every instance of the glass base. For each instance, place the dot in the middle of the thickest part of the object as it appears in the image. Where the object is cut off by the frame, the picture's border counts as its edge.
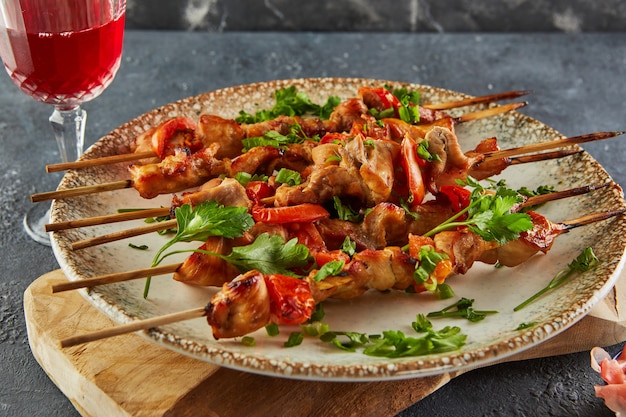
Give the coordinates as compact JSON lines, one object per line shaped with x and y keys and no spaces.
{"x":34,"y":223}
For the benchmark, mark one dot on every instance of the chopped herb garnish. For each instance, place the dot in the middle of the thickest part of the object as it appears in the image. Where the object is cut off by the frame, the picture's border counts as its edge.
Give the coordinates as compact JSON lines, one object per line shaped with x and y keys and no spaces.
{"x":394,"y":343}
{"x":139,"y":247}
{"x":464,"y":308}
{"x":489,"y":215}
{"x":248,"y":341}
{"x":345,"y":212}
{"x":331,"y":268}
{"x":428,"y":258}
{"x":584,"y":262}
{"x":290,"y":102}
{"x":289,"y":177}
{"x":272,"y":329}
{"x":525,"y":325}
{"x":295,"y":339}
{"x":348,"y":246}
{"x":204,"y":220}
{"x":444,"y":291}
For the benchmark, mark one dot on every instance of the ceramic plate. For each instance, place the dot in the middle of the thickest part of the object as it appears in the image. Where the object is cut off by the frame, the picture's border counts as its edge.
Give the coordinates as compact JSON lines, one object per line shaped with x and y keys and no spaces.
{"x":492,"y":288}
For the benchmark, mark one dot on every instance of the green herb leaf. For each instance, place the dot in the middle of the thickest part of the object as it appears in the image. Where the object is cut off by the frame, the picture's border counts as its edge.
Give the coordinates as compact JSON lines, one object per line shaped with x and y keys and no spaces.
{"x":295,"y":339}
{"x":289,"y":177}
{"x":331,"y":268}
{"x":138,"y":247}
{"x":394,"y":343}
{"x":290,"y":102}
{"x":427,"y":258}
{"x":206,"y":219}
{"x":464,"y":308}
{"x":348,"y":246}
{"x":586,"y":261}
{"x":345,"y":212}
{"x":489,"y":215}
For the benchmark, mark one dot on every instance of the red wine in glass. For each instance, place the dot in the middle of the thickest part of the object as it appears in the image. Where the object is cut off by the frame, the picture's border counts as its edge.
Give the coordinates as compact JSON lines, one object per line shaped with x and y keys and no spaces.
{"x":64,"y":53}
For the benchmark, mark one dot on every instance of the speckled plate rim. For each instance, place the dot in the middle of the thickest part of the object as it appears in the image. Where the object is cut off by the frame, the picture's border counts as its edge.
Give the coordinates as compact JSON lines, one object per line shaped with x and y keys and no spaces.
{"x":610,"y":241}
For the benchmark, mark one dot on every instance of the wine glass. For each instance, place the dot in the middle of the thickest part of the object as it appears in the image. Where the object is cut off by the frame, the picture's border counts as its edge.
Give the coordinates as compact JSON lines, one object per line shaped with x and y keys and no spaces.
{"x":64,"y":53}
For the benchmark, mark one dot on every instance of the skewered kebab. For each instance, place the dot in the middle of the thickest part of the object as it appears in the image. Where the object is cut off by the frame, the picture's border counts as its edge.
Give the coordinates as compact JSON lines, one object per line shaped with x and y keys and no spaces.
{"x":253,"y":300}
{"x":385,"y":225}
{"x":373,"y":181}
{"x":224,"y":137}
{"x":178,"y":173}
{"x":184,"y":133}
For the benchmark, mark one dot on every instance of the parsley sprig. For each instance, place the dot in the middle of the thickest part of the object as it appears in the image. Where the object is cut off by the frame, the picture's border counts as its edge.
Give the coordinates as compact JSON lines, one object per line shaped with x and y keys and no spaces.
{"x":268,"y":254}
{"x":489,"y":215}
{"x":290,"y":102}
{"x":464,"y":308}
{"x":204,"y":220}
{"x":396,"y":344}
{"x":586,"y":261}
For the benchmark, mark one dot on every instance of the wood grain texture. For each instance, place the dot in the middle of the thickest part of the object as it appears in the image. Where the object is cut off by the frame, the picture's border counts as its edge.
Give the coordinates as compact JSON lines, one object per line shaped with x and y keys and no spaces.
{"x":131,"y":376}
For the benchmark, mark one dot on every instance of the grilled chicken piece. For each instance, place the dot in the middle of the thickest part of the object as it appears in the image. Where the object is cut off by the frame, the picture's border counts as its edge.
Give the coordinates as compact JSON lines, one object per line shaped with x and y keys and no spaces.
{"x":177,"y":172}
{"x":241,"y":307}
{"x":227,"y":133}
{"x":227,"y":192}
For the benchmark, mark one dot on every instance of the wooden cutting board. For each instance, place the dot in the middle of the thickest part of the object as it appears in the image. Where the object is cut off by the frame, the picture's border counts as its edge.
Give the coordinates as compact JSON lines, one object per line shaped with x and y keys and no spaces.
{"x":131,"y":376}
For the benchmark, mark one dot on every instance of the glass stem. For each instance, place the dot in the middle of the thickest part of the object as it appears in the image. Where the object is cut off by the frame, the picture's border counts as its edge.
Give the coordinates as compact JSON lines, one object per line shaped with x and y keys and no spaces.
{"x":68,"y":124}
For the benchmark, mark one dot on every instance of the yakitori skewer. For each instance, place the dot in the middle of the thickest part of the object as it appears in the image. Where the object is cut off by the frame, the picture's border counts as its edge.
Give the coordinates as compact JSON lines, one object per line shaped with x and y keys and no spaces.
{"x":508,"y":95}
{"x":145,"y":272}
{"x":168,"y":224}
{"x":118,"y":185}
{"x":206,"y":311}
{"x":164,"y":211}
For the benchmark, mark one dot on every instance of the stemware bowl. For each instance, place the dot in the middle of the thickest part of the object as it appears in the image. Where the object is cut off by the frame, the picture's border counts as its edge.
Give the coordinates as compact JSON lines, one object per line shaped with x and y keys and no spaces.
{"x":63,"y":53}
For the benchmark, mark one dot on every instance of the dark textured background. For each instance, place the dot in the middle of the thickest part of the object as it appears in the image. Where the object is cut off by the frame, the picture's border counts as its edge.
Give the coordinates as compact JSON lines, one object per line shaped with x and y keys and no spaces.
{"x":379,"y":15}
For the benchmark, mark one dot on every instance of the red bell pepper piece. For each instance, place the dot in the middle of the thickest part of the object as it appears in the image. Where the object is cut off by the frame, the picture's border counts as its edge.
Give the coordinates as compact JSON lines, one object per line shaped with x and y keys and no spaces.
{"x":302,"y":213}
{"x":411,"y":165}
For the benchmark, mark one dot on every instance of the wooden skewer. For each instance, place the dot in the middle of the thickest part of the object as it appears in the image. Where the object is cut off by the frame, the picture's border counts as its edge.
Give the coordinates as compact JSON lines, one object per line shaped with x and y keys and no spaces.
{"x":105,"y":160}
{"x":134,"y":326}
{"x":509,"y":95}
{"x":493,"y":111}
{"x":557,"y":195}
{"x":544,"y":146}
{"x":591,"y":218}
{"x":543,"y":156}
{"x":124,"y":234}
{"x":109,"y":218}
{"x":116,"y":277}
{"x":87,"y":189}
{"x":201,"y":311}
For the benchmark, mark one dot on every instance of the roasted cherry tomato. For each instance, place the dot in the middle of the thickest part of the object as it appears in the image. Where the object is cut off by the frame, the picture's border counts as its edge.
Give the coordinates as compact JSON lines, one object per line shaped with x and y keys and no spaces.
{"x":306,"y":212}
{"x":291,"y":300}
